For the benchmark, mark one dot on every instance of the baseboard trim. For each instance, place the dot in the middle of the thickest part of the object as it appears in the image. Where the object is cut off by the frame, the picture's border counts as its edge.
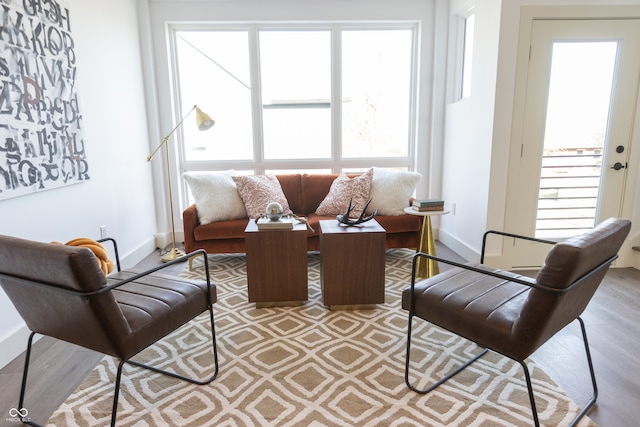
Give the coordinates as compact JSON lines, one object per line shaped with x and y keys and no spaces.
{"x":163,"y":240}
{"x":138,"y":253}
{"x":459,"y":247}
{"x":14,"y":344}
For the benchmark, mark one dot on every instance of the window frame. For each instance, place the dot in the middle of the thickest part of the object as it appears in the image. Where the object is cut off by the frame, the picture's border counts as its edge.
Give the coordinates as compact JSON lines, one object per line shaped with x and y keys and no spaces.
{"x":458,"y":48}
{"x":259,"y":165}
{"x":466,"y":71}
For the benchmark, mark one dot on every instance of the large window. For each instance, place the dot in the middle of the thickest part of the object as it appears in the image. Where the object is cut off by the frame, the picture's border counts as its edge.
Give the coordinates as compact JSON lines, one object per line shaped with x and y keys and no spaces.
{"x":295,"y":76}
{"x":327,"y":97}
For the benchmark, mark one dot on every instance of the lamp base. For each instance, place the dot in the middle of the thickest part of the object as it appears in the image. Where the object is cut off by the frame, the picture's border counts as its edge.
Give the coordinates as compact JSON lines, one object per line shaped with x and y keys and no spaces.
{"x":172,"y":254}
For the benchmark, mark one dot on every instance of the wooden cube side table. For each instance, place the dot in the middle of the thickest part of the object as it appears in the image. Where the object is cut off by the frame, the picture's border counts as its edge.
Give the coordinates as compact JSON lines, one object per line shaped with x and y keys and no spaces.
{"x":352,"y":263}
{"x":276,"y":265}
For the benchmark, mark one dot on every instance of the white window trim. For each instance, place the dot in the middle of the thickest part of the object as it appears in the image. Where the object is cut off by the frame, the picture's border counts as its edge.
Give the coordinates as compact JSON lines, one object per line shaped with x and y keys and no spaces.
{"x":258,"y":164}
{"x":458,"y":16}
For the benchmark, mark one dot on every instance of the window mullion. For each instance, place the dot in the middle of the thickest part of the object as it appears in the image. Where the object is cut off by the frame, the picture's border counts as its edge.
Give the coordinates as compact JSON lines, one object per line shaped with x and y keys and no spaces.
{"x":256,"y":99}
{"x":336,"y":97}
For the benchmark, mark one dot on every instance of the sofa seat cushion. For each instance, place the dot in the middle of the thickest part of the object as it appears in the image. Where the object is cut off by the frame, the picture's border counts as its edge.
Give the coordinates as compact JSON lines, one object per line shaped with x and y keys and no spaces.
{"x":399,"y":224}
{"x":314,"y":222}
{"x":233,"y":229}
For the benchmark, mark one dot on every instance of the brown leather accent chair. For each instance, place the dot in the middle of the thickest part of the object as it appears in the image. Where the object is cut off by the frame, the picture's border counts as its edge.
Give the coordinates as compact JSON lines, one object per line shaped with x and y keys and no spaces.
{"x":511,"y":314}
{"x":60,"y":291}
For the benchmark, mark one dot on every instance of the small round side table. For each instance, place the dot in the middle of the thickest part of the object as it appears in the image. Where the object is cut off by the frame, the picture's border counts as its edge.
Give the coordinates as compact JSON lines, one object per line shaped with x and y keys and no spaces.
{"x":426,"y":267}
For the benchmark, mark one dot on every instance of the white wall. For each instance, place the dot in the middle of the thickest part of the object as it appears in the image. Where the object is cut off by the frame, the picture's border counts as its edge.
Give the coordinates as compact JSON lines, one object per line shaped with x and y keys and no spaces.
{"x":119,"y":194}
{"x":468,"y":152}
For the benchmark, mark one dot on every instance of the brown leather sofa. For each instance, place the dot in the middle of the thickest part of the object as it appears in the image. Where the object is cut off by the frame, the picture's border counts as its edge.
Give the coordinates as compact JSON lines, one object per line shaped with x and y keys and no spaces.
{"x":304,"y":194}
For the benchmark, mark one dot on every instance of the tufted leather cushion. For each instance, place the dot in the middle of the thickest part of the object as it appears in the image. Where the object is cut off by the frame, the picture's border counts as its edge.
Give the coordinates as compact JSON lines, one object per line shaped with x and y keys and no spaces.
{"x":569,"y":260}
{"x":157,"y":304}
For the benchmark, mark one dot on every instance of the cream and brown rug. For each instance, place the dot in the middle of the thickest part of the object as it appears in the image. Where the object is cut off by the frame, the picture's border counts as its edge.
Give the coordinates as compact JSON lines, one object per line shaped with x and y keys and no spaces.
{"x":309,"y":366}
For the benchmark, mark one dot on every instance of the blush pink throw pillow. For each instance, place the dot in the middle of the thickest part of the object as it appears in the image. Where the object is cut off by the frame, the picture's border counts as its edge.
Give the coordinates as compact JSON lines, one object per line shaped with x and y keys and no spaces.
{"x":343,"y":189}
{"x":257,"y":191}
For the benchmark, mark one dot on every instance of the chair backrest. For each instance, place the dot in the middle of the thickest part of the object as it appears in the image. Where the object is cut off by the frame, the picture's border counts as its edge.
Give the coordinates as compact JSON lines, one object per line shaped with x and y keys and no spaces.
{"x":576,"y":259}
{"x":33,"y":275}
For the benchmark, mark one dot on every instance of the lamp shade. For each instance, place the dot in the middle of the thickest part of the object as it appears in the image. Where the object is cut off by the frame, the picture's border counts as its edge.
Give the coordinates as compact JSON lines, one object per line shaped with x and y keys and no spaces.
{"x":203,"y":120}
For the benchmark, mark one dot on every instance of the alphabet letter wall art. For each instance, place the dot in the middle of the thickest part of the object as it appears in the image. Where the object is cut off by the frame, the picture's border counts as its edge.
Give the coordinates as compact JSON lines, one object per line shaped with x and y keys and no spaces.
{"x":41,"y":143}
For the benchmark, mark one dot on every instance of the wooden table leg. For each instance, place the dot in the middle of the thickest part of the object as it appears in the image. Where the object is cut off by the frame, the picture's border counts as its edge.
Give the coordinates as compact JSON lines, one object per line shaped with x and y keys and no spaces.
{"x":427,"y":267}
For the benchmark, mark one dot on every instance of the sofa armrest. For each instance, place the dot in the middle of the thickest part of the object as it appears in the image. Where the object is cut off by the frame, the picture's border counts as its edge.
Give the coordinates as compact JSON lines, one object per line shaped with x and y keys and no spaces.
{"x":189,"y":222}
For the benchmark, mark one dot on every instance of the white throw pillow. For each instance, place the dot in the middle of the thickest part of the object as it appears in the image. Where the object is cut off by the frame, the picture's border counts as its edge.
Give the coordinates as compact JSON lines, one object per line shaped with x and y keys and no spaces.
{"x":216,"y":196}
{"x":391,"y":190}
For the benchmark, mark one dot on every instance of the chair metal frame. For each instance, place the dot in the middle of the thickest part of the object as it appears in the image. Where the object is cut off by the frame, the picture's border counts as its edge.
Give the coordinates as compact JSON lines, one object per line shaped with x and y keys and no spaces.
{"x":129,"y":361}
{"x":522,"y":363}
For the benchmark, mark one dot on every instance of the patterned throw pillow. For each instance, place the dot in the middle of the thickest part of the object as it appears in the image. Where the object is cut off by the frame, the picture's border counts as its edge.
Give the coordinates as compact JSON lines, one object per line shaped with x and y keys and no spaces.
{"x":215,"y":195}
{"x":344,"y":189}
{"x":257,"y":191}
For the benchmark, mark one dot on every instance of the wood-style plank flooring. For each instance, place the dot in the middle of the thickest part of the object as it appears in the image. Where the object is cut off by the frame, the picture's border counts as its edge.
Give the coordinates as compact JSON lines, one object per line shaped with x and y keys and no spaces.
{"x":613,"y":327}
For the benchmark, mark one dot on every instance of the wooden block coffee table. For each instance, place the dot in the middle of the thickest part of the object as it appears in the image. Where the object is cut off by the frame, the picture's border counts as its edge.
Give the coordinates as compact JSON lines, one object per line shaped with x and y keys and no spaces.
{"x":276,"y":265}
{"x":352,"y":262}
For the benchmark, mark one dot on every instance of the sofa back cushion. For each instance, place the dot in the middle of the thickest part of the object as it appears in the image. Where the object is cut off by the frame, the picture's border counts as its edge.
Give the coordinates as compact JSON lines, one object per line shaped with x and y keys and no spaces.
{"x":315,"y":188}
{"x":292,"y":189}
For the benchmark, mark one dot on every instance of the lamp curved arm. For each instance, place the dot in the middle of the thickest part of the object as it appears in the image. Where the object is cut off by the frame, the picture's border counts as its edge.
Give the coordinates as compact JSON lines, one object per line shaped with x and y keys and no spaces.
{"x":166,"y":138}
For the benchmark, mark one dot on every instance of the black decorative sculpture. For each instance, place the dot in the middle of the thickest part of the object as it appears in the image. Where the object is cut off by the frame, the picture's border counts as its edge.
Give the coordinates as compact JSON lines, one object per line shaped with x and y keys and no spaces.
{"x":344,"y":218}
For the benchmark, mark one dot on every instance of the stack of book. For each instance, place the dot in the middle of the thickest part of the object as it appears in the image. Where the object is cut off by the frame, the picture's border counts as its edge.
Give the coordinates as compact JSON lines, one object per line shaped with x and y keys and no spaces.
{"x":284,"y":223}
{"x":428,"y":205}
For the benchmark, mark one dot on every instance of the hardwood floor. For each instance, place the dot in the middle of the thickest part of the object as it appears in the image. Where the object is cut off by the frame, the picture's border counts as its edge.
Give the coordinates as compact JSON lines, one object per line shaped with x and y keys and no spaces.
{"x":613,"y":328}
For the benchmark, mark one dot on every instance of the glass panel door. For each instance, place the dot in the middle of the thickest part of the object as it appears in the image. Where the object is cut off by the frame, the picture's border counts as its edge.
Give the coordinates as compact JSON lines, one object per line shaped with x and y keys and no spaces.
{"x":576,"y":127}
{"x":572,"y":134}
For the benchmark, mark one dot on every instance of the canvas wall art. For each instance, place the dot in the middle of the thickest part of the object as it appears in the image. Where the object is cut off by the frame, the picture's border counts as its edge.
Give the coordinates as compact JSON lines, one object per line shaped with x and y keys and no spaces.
{"x":41,"y":142}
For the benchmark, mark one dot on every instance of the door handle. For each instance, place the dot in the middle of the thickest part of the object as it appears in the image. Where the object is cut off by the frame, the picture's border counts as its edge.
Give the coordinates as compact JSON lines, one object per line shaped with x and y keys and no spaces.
{"x":619,"y":166}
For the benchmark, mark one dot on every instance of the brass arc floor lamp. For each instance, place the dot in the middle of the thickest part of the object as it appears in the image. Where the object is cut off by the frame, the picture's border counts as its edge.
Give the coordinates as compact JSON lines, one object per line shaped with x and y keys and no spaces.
{"x":204,"y":122}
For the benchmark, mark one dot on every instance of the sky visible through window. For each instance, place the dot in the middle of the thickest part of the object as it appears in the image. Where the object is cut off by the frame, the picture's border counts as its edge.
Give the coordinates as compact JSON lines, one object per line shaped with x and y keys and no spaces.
{"x":293,"y":116}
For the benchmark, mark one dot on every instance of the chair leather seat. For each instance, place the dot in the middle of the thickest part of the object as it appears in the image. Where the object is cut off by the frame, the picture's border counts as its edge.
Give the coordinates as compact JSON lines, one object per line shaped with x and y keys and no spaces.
{"x":473,"y":305}
{"x":154,"y":304}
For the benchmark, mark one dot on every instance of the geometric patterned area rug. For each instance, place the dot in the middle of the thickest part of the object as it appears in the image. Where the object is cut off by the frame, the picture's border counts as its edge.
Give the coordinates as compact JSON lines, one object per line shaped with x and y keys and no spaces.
{"x":310,"y":366}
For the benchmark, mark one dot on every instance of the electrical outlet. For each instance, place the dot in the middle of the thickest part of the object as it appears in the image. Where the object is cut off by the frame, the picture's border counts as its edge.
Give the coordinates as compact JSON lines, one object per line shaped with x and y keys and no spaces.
{"x":103,"y":231}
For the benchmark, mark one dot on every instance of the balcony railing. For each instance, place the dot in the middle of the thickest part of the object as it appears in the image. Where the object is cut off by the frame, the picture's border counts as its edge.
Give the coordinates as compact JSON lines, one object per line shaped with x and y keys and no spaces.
{"x":569,"y":187}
